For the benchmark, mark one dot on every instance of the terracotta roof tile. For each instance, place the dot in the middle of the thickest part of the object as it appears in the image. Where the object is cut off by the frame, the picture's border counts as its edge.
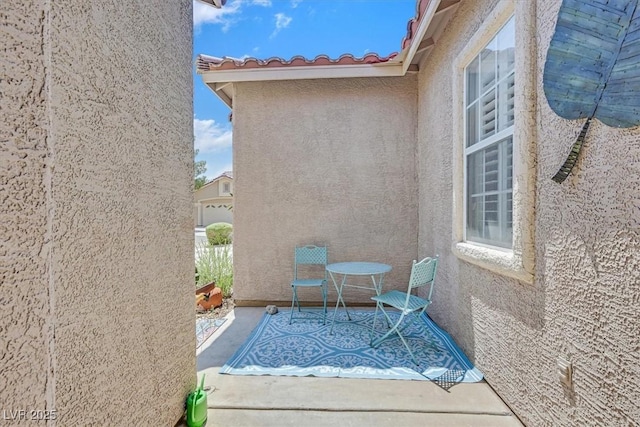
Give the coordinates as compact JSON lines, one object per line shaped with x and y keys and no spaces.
{"x":226,"y":174}
{"x":212,"y":63}
{"x":412,"y":25}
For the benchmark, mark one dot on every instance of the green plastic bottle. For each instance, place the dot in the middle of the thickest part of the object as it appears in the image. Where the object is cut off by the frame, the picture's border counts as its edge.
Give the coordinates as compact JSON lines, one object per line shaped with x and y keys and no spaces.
{"x":197,"y":406}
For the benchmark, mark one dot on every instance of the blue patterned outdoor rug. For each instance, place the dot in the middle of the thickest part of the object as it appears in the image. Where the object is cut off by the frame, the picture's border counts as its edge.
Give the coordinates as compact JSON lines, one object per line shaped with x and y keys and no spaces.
{"x":305,"y":348}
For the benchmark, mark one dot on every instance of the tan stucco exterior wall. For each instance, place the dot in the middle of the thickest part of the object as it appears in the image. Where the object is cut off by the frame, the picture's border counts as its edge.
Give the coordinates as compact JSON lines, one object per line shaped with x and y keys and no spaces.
{"x":96,"y":177}
{"x":212,"y":190}
{"x":335,"y":166}
{"x":584,"y":302}
{"x":26,"y":330}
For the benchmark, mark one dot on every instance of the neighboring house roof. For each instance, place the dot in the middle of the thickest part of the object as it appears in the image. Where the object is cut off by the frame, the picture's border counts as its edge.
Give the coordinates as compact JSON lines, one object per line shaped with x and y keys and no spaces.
{"x":227,"y":174}
{"x":423,"y":30}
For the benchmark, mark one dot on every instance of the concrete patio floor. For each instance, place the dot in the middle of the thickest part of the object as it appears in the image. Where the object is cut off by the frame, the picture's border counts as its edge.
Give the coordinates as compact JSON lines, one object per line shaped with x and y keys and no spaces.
{"x":282,"y":401}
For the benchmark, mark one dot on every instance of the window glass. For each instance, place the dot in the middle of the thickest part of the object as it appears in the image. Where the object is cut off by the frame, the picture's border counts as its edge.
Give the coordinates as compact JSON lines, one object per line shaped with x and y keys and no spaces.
{"x":489,"y":121}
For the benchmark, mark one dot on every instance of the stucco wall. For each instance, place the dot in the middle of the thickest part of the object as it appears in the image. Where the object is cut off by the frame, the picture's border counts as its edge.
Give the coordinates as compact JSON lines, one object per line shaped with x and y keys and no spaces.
{"x":209,"y":191}
{"x":26,"y":330}
{"x":323,"y":162}
{"x":585,"y":298}
{"x":100,"y":235}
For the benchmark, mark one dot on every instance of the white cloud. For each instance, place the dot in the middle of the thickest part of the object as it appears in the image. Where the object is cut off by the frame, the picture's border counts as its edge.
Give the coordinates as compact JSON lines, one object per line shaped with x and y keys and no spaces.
{"x":210,"y":136}
{"x":218,"y":171}
{"x":206,"y":14}
{"x":265,"y":3}
{"x":295,"y":3}
{"x":282,"y":21}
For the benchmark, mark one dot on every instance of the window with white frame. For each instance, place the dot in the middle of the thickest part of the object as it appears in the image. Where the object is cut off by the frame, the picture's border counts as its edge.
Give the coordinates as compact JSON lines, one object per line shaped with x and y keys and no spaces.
{"x":488,"y":141}
{"x":226,"y":187}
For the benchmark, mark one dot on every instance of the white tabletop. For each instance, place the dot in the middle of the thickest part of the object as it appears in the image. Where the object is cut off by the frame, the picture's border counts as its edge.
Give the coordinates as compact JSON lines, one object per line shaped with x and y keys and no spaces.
{"x":359,"y":268}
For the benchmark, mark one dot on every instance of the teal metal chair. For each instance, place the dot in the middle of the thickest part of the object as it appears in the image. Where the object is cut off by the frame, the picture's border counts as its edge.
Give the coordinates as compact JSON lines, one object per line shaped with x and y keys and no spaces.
{"x":423,"y":274}
{"x":309,"y":255}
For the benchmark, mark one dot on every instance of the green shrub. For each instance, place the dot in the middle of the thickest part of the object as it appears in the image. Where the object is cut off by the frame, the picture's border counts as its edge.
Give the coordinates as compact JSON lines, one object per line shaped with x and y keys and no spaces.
{"x":219,"y":233}
{"x":215,"y":264}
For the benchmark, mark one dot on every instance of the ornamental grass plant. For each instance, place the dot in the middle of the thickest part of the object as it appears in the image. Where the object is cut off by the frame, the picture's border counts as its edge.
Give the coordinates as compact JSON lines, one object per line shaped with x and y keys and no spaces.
{"x":214,"y":263}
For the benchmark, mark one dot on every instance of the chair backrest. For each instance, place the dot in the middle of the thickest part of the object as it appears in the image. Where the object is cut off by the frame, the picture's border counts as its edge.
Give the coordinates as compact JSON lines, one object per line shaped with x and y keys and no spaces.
{"x":423,"y":273}
{"x":309,"y":255}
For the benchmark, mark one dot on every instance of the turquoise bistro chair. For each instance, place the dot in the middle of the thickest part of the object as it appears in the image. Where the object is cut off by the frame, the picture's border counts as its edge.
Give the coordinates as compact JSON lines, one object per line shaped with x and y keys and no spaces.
{"x":309,"y":255}
{"x":423,"y":274}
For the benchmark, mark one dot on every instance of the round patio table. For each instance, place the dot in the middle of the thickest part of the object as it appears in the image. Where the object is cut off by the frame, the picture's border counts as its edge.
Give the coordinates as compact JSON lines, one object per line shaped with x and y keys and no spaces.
{"x":375,"y":270}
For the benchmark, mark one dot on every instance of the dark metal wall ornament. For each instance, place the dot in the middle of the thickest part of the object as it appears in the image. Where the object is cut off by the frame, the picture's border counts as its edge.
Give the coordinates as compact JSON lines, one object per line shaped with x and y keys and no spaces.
{"x":593,"y":67}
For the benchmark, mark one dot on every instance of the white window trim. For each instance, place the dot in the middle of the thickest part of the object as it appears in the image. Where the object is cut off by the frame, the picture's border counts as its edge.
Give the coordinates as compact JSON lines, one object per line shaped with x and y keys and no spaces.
{"x":518,"y":262}
{"x":221,"y":191}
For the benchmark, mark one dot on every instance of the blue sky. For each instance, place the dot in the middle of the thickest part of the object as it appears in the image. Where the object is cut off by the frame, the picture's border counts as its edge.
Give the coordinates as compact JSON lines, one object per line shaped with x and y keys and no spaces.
{"x":283,"y":28}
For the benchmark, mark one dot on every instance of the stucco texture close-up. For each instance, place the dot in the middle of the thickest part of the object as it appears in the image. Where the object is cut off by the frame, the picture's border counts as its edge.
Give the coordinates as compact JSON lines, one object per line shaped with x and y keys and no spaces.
{"x":96,"y":179}
{"x":583,"y":302}
{"x":335,"y":167}
{"x":26,"y":333}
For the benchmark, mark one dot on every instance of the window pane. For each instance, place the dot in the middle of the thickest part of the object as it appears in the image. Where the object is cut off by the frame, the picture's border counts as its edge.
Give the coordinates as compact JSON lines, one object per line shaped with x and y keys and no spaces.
{"x":506,"y":49}
{"x":475,"y":208}
{"x":489,"y":194}
{"x":491,"y":167}
{"x":489,"y":104}
{"x":474,"y":173}
{"x":488,"y":115}
{"x":472,"y":124}
{"x":509,"y":163}
{"x":506,"y":229}
{"x":472,"y":81}
{"x":491,"y":222}
{"x":510,"y":213}
{"x":488,"y":67}
{"x":506,"y":103}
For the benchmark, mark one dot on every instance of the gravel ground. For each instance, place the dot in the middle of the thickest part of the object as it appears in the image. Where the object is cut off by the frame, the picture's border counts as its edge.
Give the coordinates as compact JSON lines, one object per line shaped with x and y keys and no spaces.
{"x":227,"y":306}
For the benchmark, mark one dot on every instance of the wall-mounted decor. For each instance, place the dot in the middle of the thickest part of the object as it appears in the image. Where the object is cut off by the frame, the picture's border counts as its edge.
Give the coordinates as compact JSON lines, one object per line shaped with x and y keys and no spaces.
{"x":593,"y":67}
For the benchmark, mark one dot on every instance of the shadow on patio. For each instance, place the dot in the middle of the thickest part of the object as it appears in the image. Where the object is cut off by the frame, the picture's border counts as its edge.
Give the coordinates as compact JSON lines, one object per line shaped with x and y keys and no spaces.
{"x":277,"y":400}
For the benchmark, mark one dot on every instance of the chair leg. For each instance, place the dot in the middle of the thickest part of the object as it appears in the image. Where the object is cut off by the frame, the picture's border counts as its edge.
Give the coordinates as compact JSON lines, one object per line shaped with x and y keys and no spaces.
{"x":416,"y":318}
{"x":413,"y":318}
{"x":298,"y":301}
{"x":293,"y":300}
{"x":408,"y":348}
{"x":394,"y":329}
{"x":373,"y":324}
{"x":340,"y":299}
{"x":324,"y":304}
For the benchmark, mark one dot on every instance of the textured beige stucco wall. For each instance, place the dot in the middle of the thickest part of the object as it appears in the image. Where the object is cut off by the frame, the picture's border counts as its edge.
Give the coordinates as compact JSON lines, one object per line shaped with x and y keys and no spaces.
{"x":323,"y":162}
{"x":100,"y":235}
{"x":585,"y":299}
{"x":26,"y":332}
{"x":212,"y":190}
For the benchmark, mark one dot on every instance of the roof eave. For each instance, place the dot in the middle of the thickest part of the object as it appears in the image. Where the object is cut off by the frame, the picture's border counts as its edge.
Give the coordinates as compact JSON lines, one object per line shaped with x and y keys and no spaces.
{"x":387,"y":69}
{"x":406,"y":55}
{"x":218,"y":80}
